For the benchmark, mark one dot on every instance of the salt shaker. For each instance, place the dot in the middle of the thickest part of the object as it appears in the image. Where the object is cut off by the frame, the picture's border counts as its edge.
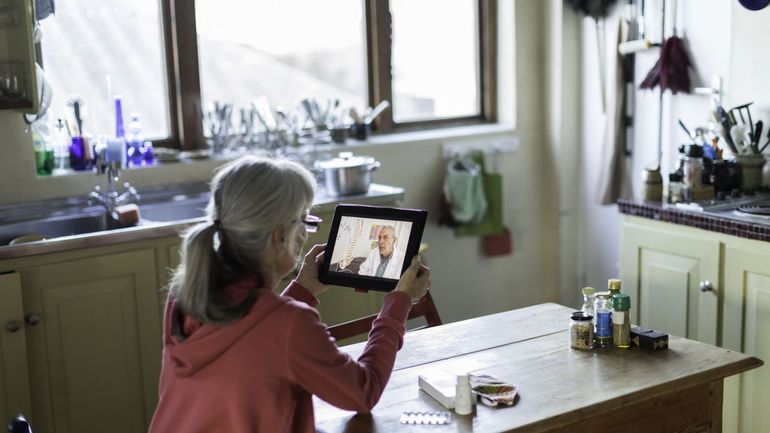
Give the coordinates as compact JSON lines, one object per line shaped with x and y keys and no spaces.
{"x":463,"y":395}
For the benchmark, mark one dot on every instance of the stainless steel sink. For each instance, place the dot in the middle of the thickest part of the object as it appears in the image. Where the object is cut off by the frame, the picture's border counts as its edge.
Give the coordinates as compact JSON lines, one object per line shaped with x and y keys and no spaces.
{"x":174,"y":210}
{"x":74,"y":216}
{"x":58,"y":226}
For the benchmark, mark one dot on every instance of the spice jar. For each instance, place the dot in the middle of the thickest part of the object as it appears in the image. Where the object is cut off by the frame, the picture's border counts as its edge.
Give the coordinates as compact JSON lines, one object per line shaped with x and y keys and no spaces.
{"x":621,"y":323}
{"x":581,"y":331}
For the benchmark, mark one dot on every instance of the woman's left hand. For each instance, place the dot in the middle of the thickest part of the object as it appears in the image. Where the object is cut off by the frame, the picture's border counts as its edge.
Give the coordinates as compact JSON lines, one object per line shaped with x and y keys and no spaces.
{"x":308,"y":272}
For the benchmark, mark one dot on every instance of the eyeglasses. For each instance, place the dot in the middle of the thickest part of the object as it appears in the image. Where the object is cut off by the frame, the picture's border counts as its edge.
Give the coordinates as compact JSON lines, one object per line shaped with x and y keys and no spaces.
{"x":312,"y":223}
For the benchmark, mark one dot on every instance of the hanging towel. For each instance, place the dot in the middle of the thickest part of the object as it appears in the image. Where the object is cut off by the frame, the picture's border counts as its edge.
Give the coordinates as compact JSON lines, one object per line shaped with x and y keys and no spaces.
{"x":491,"y":222}
{"x":464,"y":190}
{"x":613,"y":182}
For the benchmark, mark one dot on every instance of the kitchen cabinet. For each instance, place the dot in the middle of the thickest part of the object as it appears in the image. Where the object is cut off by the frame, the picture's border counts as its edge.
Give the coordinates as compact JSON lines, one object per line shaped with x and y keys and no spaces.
{"x":86,"y":354}
{"x":711,"y":287}
{"x":17,"y":57}
{"x":664,"y":270}
{"x":746,"y":328}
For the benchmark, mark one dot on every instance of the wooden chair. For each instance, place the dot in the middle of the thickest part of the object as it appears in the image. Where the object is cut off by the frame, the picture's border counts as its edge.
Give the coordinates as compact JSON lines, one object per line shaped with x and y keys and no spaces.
{"x":422,"y":308}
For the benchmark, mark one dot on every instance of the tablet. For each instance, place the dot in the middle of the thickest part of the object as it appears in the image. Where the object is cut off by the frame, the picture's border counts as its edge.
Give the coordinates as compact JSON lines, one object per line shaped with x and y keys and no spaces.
{"x":370,"y":247}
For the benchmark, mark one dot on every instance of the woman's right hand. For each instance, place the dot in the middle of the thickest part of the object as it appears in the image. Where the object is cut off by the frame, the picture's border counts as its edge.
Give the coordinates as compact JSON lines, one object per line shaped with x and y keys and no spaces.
{"x":416,"y":280}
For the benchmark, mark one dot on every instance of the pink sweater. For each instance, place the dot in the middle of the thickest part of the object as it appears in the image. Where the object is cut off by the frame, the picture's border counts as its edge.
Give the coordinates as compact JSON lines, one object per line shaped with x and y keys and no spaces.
{"x":259,"y":373}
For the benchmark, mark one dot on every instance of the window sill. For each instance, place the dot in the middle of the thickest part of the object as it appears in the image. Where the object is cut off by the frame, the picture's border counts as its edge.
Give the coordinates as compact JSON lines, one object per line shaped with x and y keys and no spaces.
{"x":472,"y":132}
{"x":453,"y":133}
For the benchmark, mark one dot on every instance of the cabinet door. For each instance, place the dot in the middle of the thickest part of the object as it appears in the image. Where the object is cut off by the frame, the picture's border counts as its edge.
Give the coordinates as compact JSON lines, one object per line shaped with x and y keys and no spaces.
{"x":663,"y":271}
{"x":746,"y":328}
{"x":14,"y":375}
{"x":95,"y":354}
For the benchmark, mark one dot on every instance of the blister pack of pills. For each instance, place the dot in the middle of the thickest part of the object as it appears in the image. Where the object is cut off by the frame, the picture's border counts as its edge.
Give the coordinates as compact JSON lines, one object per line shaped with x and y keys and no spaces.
{"x":437,"y":417}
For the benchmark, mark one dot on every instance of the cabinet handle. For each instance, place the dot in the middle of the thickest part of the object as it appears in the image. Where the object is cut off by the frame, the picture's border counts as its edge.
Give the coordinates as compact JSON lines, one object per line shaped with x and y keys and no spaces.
{"x":32,"y":319}
{"x":706,"y":286}
{"x":12,"y":325}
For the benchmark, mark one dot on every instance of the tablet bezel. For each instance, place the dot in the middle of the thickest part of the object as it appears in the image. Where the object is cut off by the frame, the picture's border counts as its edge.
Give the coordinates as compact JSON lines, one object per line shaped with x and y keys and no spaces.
{"x":417,"y":217}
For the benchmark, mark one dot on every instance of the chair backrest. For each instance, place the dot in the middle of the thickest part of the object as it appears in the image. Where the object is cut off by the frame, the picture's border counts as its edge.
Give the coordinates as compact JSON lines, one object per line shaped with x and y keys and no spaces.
{"x":422,"y":308}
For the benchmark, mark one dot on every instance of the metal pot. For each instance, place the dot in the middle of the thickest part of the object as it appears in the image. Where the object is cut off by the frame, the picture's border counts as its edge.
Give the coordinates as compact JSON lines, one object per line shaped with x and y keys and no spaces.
{"x":347,"y":174}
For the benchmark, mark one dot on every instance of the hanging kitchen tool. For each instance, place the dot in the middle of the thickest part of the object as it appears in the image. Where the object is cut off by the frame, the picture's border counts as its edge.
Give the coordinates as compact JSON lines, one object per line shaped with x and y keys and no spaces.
{"x":671,"y":71}
{"x":598,"y":10}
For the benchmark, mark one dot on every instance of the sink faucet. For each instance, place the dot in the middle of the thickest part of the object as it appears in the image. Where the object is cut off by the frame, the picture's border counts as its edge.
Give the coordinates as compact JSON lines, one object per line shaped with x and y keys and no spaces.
{"x":111,"y":199}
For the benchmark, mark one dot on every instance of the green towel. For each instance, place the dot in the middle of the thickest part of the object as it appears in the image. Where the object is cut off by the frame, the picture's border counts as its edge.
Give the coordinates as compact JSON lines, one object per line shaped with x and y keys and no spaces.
{"x":492,"y":222}
{"x":464,"y":189}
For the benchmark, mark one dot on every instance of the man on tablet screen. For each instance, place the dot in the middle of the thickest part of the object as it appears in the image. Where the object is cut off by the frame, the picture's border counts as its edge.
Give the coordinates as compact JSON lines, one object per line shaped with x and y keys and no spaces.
{"x":386,"y":260}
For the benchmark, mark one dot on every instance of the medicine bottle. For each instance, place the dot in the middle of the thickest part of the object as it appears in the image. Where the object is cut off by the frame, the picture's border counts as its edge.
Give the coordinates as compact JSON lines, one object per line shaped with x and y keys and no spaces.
{"x":581,"y":331}
{"x":621,"y":323}
{"x":603,"y":320}
{"x":463,"y":395}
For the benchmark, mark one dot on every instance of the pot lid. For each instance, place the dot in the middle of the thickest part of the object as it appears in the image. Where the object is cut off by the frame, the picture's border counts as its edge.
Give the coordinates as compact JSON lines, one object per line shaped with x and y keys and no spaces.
{"x":345,"y":160}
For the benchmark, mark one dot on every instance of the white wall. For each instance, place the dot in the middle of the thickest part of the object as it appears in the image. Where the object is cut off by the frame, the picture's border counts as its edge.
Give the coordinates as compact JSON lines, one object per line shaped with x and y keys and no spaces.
{"x":465,"y":283}
{"x":724,"y":39}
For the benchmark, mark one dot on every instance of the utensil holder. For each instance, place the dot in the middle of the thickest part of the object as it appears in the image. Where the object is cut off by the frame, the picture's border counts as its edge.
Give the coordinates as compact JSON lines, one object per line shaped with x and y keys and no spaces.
{"x":751,"y":171}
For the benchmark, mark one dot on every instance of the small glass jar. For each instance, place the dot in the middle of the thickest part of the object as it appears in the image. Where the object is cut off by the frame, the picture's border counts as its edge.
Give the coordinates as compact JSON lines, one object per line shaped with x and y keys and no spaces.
{"x":581,"y":331}
{"x":603,"y":321}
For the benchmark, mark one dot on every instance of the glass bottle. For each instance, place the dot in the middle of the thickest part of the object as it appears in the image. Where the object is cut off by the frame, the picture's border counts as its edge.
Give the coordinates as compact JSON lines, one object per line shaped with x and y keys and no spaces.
{"x":61,"y":151}
{"x":613,"y":284}
{"x":621,"y":323}
{"x":588,"y":300}
{"x":135,"y":142}
{"x":581,"y":331}
{"x":603,"y":320}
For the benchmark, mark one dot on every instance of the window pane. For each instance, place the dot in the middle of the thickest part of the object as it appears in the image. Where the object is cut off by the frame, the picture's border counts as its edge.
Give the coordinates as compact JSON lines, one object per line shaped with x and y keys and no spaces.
{"x":435,"y":59}
{"x":283,"y":50}
{"x":97,"y":49}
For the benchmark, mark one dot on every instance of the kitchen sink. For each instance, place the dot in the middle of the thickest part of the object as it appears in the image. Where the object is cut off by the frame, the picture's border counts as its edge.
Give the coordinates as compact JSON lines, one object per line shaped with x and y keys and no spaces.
{"x":57,"y":226}
{"x":75,"y":216}
{"x":174,"y":210}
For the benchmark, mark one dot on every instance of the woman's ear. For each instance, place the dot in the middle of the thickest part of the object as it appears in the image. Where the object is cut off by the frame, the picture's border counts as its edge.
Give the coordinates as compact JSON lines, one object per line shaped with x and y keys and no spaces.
{"x":278,"y":239}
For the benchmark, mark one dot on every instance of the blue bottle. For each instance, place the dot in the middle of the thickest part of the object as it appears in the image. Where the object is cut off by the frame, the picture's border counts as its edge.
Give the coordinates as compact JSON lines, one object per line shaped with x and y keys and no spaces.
{"x":135,"y":142}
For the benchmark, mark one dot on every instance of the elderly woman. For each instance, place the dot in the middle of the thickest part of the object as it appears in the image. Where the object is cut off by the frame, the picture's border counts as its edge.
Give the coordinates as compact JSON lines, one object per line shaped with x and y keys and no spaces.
{"x":239,"y":357}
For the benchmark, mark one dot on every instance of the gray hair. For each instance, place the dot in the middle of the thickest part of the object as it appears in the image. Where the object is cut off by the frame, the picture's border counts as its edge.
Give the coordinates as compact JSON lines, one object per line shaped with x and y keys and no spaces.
{"x":250,"y":198}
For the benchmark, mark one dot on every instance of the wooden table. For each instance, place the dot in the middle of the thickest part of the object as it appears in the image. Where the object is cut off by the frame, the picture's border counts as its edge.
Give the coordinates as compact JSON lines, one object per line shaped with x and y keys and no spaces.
{"x":560,"y":389}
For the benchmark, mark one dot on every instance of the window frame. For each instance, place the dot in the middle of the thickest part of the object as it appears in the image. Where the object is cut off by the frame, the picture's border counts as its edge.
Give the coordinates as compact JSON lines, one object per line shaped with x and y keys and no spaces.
{"x":184,"y":90}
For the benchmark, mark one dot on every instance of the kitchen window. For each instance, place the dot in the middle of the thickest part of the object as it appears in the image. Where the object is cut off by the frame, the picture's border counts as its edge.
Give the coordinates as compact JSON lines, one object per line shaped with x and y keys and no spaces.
{"x":434,"y":60}
{"x":93,"y":49}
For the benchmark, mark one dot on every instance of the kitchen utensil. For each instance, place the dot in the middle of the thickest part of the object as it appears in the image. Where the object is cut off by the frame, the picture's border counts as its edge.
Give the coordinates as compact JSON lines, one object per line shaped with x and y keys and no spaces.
{"x":382,"y":106}
{"x":757,"y":135}
{"x":347,"y":174}
{"x":768,"y":142}
{"x":687,"y":131}
{"x":724,"y":128}
{"x":741,"y":136}
{"x":754,"y":5}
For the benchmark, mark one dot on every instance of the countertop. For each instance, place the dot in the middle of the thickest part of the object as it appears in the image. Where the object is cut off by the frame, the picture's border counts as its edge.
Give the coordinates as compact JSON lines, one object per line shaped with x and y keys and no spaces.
{"x":560,"y":389}
{"x":377,"y":195}
{"x":723,"y":220}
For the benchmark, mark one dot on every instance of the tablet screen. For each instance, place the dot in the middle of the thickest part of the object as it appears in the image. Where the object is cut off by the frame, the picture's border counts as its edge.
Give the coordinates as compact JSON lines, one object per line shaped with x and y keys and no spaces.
{"x":370,"y":247}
